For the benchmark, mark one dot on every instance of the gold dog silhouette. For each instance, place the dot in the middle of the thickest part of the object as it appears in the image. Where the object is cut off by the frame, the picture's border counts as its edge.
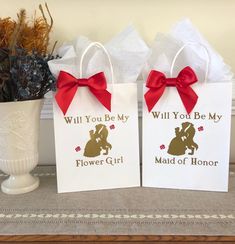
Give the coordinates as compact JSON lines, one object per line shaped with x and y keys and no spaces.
{"x":183,"y":140}
{"x":97,"y":142}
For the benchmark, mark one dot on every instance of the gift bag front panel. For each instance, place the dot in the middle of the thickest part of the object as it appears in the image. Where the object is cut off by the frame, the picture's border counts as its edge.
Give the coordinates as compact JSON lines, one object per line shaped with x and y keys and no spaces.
{"x":95,"y":148}
{"x":188,"y":151}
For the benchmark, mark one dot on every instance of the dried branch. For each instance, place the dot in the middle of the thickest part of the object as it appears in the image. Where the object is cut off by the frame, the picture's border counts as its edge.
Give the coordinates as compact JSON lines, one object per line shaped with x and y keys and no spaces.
{"x":49,"y":26}
{"x":53,"y":48}
{"x":16,"y":33}
{"x":24,"y":72}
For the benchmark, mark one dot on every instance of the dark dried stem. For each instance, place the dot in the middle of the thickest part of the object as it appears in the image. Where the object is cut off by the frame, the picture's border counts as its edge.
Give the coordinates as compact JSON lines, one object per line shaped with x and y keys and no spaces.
{"x":16,"y":33}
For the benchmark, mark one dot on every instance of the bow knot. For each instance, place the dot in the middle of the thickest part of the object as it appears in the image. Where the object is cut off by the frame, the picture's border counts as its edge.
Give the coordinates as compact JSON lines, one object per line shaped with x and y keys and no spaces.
{"x":171,"y":81}
{"x":157,"y":82}
{"x":83,"y":82}
{"x":67,"y":86}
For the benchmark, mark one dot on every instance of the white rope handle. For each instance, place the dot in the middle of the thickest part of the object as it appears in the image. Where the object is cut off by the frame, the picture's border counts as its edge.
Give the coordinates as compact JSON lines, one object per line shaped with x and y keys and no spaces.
{"x":181,"y":49}
{"x":99,"y":45}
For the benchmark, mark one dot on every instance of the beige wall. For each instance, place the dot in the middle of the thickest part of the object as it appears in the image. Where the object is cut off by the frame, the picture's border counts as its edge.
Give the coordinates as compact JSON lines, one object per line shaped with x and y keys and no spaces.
{"x":102,"y":19}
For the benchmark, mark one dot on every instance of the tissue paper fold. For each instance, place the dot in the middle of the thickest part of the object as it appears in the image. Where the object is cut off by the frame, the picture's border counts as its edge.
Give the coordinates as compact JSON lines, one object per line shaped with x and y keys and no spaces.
{"x":166,"y":46}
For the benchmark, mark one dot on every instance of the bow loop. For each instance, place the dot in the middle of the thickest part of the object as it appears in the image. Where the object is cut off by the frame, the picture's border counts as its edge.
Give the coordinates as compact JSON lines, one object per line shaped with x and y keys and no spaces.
{"x":67,"y":86}
{"x":70,"y":80}
{"x":98,"y":81}
{"x":155,"y":79}
{"x":187,"y":76}
{"x":157,"y":82}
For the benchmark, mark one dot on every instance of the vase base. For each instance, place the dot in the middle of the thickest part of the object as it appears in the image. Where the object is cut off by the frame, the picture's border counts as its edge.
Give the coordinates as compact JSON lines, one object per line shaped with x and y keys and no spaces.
{"x":19,"y":184}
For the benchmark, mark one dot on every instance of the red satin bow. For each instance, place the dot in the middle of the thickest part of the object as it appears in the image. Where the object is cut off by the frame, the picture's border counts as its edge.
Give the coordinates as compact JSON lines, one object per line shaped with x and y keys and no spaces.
{"x":157,"y":83}
{"x":67,"y":86}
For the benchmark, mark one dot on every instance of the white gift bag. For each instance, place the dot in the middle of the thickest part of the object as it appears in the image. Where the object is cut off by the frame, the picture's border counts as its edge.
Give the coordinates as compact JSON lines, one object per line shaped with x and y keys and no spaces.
{"x":96,"y":148}
{"x":186,"y":150}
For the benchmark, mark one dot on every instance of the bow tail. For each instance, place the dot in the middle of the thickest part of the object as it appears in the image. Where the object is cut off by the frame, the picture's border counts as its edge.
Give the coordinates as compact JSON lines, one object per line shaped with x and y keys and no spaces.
{"x":64,"y":97}
{"x":152,"y":96}
{"x":103,"y":96}
{"x":188,"y":97}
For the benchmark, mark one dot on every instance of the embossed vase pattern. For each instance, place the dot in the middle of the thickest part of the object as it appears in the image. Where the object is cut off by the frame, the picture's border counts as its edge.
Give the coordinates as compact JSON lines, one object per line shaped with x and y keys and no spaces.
{"x":19,"y":135}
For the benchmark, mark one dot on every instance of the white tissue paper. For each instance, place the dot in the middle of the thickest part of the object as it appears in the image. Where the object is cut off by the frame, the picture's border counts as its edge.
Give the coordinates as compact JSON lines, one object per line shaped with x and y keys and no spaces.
{"x":127,"y":50}
{"x":166,"y":46}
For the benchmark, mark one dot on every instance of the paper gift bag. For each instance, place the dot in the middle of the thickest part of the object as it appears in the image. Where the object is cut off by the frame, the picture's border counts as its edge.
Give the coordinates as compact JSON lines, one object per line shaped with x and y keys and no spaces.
{"x":96,"y":132}
{"x":186,"y":131}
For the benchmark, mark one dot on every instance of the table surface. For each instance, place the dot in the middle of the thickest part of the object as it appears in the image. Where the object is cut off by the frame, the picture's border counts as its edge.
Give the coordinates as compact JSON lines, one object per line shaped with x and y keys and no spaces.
{"x":120,"y":215}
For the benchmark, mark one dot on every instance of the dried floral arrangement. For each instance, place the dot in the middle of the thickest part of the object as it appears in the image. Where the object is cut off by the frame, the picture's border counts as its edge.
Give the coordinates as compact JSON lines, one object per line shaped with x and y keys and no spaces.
{"x":24,"y":72}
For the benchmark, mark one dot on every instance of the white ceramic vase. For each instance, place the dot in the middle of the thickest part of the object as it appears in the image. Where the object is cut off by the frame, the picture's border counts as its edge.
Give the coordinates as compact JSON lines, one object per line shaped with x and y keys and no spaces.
{"x":19,"y":135}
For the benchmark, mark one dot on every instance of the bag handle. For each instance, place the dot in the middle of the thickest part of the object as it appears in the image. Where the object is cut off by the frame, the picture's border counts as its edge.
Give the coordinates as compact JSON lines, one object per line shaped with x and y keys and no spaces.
{"x":99,"y":45}
{"x":181,"y":49}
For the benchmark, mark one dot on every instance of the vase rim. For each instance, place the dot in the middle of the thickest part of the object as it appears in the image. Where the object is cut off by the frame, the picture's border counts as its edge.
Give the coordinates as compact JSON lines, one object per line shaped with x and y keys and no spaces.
{"x":24,"y":101}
